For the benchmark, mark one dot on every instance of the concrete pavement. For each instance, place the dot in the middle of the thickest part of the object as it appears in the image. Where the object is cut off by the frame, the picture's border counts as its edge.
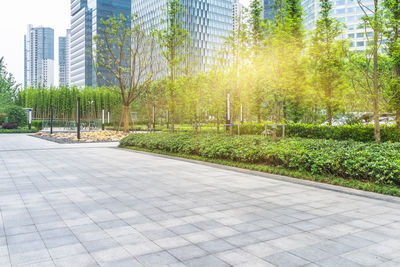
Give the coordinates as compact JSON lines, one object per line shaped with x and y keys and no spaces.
{"x":95,"y":205}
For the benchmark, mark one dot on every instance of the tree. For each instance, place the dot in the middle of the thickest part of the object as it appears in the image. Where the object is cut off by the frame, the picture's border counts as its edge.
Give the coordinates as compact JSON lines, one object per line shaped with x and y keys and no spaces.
{"x":126,"y":52}
{"x":257,"y":36}
{"x":173,"y":40}
{"x":8,"y":85}
{"x":281,"y":66}
{"x":392,"y":36}
{"x":328,"y":54}
{"x":373,"y":20}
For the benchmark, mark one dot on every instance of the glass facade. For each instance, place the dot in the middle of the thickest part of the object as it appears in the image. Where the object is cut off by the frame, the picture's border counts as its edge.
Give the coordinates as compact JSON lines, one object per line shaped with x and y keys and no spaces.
{"x":208,"y":23}
{"x":64,"y":58}
{"x":39,"y":57}
{"x":85,"y":22}
{"x":348,"y":12}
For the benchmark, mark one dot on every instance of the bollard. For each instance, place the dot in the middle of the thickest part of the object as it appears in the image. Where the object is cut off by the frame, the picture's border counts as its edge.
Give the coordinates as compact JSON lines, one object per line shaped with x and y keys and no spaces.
{"x":51,"y":119}
{"x":102,"y":119}
{"x":78,"y":126}
{"x":30,"y":119}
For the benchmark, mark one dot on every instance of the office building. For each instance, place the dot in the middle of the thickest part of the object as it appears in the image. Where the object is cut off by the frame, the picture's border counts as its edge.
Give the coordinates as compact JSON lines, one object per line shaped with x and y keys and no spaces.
{"x":85,"y":22}
{"x":64,"y":62}
{"x":348,"y":12}
{"x":39,"y":57}
{"x":238,"y":16}
{"x":208,"y":22}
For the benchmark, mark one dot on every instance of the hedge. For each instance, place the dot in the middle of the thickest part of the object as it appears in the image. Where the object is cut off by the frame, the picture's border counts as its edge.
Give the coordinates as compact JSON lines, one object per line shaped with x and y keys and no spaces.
{"x":357,"y":132}
{"x":345,"y":159}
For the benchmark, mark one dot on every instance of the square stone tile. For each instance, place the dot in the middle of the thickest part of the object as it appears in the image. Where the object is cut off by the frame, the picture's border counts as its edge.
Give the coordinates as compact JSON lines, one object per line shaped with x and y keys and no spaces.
{"x":363,"y":258}
{"x":172,"y":242}
{"x":215,"y":246}
{"x":187,"y":252}
{"x":242,"y":240}
{"x":157,"y":259}
{"x":206,"y":261}
{"x":262,"y":249}
{"x":286,"y":259}
{"x":235,"y":256}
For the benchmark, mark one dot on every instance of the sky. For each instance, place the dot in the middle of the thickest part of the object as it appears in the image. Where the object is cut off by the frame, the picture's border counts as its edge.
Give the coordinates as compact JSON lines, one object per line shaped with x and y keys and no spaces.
{"x":15,"y":17}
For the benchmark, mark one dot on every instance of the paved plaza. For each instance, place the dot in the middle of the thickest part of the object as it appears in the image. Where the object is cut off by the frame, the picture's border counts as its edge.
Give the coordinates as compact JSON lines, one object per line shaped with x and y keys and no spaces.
{"x":96,"y":205}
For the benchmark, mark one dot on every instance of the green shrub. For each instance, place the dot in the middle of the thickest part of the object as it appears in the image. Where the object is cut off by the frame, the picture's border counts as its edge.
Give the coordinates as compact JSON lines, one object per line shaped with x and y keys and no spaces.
{"x":37,"y":124}
{"x":17,"y":115}
{"x":346,"y":159}
{"x":356,"y":132}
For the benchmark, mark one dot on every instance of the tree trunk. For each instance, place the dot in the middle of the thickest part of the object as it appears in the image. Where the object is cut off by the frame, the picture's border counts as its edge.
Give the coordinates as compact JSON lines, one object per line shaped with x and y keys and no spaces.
{"x":377,"y":128}
{"x":126,"y":118}
{"x":398,"y":118}
{"x":329,"y":114}
{"x":218,"y":122}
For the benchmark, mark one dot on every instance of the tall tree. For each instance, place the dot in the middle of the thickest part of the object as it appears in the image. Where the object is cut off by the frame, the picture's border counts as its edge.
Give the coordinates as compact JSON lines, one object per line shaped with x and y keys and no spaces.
{"x":257,"y":35}
{"x":173,"y":40}
{"x":328,"y":54}
{"x":373,"y":20}
{"x":126,"y":51}
{"x":392,"y":36}
{"x":8,"y":85}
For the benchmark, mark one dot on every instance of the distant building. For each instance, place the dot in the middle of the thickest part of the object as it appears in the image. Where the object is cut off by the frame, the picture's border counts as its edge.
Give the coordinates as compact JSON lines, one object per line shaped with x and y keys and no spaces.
{"x":348,"y":12}
{"x":208,"y":22}
{"x":64,"y":61}
{"x":39,"y":57}
{"x":85,"y":22}
{"x":237,"y":15}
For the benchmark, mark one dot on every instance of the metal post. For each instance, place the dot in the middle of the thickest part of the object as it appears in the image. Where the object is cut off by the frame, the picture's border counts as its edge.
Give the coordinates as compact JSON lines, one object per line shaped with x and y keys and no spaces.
{"x":102,"y":119}
{"x":30,"y":118}
{"x":78,"y":126}
{"x":51,"y":119}
{"x":108,"y":118}
{"x":154,"y":118}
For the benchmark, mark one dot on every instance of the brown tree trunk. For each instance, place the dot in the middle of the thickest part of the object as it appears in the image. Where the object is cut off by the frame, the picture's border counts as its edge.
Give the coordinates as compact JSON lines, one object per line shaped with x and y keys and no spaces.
{"x":398,"y":119}
{"x":218,"y":122}
{"x":329,"y":114}
{"x":126,"y":118}
{"x":377,"y":128}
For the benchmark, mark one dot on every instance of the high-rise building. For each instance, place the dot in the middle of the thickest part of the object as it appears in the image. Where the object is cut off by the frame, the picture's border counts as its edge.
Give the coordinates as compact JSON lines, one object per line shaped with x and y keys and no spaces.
{"x":237,"y":14}
{"x":39,"y":57}
{"x":85,"y":22}
{"x":208,"y":22}
{"x":64,"y":62}
{"x":349,"y":13}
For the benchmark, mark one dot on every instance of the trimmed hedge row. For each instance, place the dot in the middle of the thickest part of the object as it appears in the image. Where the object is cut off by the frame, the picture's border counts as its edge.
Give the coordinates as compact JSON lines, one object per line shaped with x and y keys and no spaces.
{"x":346,"y":159}
{"x":357,"y":132}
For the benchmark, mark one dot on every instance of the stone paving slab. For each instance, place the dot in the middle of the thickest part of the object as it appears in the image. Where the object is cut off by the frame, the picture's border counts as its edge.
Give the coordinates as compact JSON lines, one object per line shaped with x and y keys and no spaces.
{"x":94,"y":205}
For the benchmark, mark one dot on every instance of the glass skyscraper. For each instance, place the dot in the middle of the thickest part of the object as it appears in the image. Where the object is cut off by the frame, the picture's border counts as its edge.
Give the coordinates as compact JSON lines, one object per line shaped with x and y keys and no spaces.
{"x":208,"y":22}
{"x":39,"y":57}
{"x":85,"y":22}
{"x":64,"y":62}
{"x":348,"y":12}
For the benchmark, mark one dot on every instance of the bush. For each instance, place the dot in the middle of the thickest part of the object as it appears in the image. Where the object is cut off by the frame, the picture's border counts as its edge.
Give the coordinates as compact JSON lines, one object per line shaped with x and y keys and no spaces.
{"x":356,"y":132}
{"x":17,"y":115}
{"x":8,"y":125}
{"x":346,"y":159}
{"x":37,"y":124}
